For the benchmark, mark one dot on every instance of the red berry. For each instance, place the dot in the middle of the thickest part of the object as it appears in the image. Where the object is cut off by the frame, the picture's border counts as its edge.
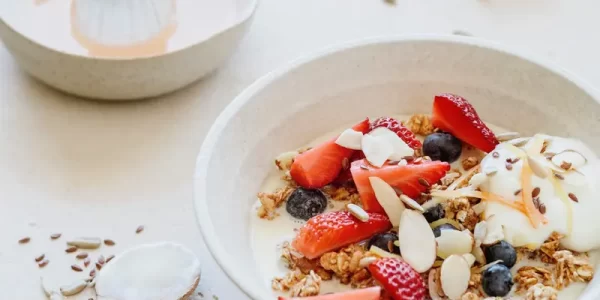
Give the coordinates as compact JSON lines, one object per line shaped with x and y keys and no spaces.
{"x":398,"y":279}
{"x":456,"y":115}
{"x":404,"y":133}
{"x":333,"y":230}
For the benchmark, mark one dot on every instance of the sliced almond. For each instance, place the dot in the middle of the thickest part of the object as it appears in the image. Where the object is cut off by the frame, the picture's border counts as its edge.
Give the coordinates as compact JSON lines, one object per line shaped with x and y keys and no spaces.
{"x":478,"y":254}
{"x":480,"y":232}
{"x":477,"y":180}
{"x":507,"y":136}
{"x":376,"y":149}
{"x":455,"y":276}
{"x":366,"y":261}
{"x":382,"y":253}
{"x":571,"y":158}
{"x":412,"y":203}
{"x":453,"y":242}
{"x":350,"y":139}
{"x":470,"y":258}
{"x":85,"y":242}
{"x":399,"y":148}
{"x":417,"y":242}
{"x":387,"y":198}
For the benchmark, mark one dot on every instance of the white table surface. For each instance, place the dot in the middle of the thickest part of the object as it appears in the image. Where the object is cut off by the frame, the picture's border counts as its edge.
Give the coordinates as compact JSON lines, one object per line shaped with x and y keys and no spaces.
{"x":89,"y":168}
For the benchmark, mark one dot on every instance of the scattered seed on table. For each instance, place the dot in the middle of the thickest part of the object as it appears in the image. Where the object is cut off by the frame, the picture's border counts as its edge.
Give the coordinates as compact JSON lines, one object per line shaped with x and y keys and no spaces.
{"x":108,"y":242}
{"x":109,"y":258}
{"x":55,"y":236}
{"x":71,"y":249}
{"x":82,"y":255}
{"x":558,"y":176}
{"x":98,"y":266}
{"x":76,"y":268}
{"x":139,"y":229}
{"x":101,"y":259}
{"x":24,"y":240}
{"x":92,"y":273}
{"x":509,"y":166}
{"x":535,"y":192}
{"x":40,"y":258}
{"x":86,"y":262}
{"x":424,"y":182}
{"x":43,"y":263}
{"x":573,"y":197}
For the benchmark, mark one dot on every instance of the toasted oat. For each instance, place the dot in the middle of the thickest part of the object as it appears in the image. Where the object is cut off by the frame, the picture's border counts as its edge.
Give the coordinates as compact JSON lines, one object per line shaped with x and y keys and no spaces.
{"x":469,"y":162}
{"x":288,"y":281}
{"x":420,"y":124}
{"x":271,"y":201}
{"x":343,"y":193}
{"x":295,"y":260}
{"x":529,"y":276}
{"x":460,"y":210}
{"x":447,"y":180}
{"x":571,"y":268}
{"x":541,"y":292}
{"x":469,"y":296}
{"x":345,"y":264}
{"x":309,"y":286}
{"x":284,"y":160}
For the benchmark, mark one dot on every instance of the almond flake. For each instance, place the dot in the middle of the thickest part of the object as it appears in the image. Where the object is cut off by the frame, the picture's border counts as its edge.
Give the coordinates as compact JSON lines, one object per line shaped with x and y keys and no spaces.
{"x":455,"y":276}
{"x":417,"y":242}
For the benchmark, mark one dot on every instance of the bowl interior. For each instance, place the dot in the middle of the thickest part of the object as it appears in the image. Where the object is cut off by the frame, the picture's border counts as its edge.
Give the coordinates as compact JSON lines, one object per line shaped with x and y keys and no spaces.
{"x":291,"y":107}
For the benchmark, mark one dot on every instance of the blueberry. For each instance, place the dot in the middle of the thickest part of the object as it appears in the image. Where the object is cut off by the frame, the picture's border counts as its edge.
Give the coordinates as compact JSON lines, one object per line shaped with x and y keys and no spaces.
{"x":497,"y":281}
{"x":435,"y":213}
{"x":442,"y":146}
{"x":306,"y":203}
{"x":501,"y":251}
{"x":438,"y":230}
{"x":385,"y":241}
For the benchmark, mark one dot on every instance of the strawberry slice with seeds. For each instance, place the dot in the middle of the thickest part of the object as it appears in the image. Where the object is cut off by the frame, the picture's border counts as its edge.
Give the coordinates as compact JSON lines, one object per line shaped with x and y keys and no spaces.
{"x":333,"y":230}
{"x":404,"y":133}
{"x":412,"y":179}
{"x":345,"y":175}
{"x":320,"y":165}
{"x":456,"y":115}
{"x":372,"y":293}
{"x":399,"y":279}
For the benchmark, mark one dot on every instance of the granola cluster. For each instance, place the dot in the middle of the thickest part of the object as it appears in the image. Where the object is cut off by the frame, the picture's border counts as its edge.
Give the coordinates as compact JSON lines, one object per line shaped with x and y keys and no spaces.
{"x":298,"y":283}
{"x":345,"y":192}
{"x":345,"y":264}
{"x":460,"y":209}
{"x":529,"y":276}
{"x":571,"y":268}
{"x":271,"y":201}
{"x":541,"y":292}
{"x":420,"y":124}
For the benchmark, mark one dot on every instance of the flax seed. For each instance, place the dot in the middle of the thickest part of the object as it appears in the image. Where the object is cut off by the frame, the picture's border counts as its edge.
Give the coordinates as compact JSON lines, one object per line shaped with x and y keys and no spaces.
{"x":76,"y":268}
{"x":82,"y":255}
{"x":86,"y":262}
{"x":518,"y":192}
{"x":508,"y":166}
{"x":424,"y":182}
{"x":71,"y":249}
{"x":535,"y":192}
{"x":573,"y":197}
{"x":109,"y":258}
{"x":43,"y":263}
{"x":495,"y":154}
{"x":558,"y":176}
{"x":40,"y":258}
{"x":139,"y":229}
{"x":108,"y":242}
{"x":24,"y":240}
{"x":55,"y":236}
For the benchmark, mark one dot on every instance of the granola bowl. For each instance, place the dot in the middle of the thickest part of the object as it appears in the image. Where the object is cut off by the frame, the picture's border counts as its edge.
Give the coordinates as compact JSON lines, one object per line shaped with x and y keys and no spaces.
{"x":511,"y":209}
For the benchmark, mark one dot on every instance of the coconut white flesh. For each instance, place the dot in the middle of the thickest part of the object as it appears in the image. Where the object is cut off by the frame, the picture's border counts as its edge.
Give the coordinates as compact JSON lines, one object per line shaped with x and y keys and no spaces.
{"x":376,"y":149}
{"x":399,"y":148}
{"x":350,"y":139}
{"x":149,"y":272}
{"x":417,"y":242}
{"x":387,"y":198}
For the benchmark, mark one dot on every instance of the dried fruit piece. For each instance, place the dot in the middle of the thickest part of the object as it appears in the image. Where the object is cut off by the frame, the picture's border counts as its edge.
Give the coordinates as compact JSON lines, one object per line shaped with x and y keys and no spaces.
{"x":455,"y":276}
{"x":417,"y":242}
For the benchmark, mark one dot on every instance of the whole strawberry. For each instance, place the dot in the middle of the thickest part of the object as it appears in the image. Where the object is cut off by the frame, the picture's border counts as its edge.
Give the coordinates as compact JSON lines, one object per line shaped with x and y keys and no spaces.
{"x":399,"y":279}
{"x":404,"y":133}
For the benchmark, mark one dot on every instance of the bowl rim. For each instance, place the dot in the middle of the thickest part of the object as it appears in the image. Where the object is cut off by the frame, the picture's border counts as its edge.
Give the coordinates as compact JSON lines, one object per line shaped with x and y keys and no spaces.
{"x":206,"y":150}
{"x":244,"y":17}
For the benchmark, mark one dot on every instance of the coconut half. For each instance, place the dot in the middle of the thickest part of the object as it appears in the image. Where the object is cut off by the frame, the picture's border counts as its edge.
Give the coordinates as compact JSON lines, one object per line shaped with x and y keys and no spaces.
{"x":150,"y":272}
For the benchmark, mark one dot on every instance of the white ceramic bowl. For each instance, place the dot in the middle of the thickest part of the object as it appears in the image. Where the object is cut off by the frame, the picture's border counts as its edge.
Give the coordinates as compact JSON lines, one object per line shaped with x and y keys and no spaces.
{"x":52,"y":61}
{"x":310,"y":97}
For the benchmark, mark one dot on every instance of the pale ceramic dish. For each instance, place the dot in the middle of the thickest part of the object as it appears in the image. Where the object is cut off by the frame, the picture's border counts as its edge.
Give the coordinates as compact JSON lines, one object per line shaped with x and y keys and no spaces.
{"x":149,"y":47}
{"x":310,"y":97}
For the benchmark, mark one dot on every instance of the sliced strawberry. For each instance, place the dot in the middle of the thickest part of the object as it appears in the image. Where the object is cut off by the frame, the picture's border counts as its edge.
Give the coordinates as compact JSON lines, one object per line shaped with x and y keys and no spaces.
{"x":408,"y":178}
{"x":404,"y":133}
{"x":372,"y":293}
{"x":320,"y":165}
{"x":456,"y":115}
{"x":333,"y":230}
{"x":345,"y":175}
{"x":399,"y":279}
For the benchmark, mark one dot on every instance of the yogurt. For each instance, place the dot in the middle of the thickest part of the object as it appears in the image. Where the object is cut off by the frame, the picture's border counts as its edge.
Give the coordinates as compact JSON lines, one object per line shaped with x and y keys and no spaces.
{"x":577,"y":220}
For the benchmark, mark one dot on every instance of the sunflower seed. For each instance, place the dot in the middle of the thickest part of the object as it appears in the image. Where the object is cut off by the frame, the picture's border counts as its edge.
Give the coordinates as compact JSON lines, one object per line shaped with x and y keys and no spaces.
{"x":417,"y":160}
{"x":73,"y":288}
{"x":549,"y":155}
{"x":82,"y":255}
{"x":55,"y":236}
{"x":76,"y":268}
{"x":39,"y":258}
{"x":109,"y":242}
{"x":507,"y":136}
{"x":412,"y":203}
{"x":86,"y":243}
{"x":24,"y":240}
{"x":139,"y":229}
{"x":71,"y":249}
{"x":43,"y":263}
{"x":366,"y":261}
{"x":573,"y":197}
{"x":358,"y":212}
